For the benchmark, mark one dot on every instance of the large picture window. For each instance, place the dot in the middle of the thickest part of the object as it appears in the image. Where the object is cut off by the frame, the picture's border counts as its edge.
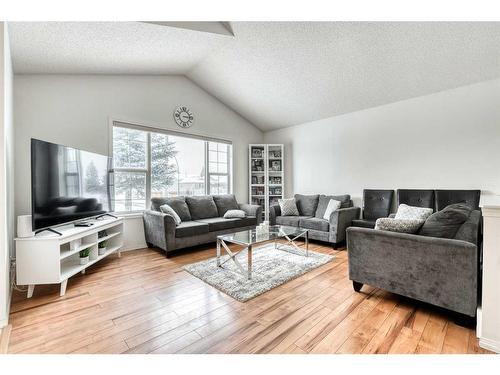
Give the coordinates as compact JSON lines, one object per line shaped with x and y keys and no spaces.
{"x":148,"y":163}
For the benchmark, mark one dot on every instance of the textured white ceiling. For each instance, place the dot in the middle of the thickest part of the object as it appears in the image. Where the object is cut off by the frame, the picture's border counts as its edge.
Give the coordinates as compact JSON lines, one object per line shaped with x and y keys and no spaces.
{"x":108,"y":47}
{"x":275,"y":74}
{"x":285,"y":73}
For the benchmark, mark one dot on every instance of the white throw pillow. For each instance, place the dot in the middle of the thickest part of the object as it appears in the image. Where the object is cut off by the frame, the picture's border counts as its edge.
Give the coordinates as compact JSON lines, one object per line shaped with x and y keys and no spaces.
{"x":398,"y":225}
{"x":234,"y":214}
{"x":288,"y":207}
{"x":333,"y":206}
{"x":406,"y":212}
{"x":166,"y":209}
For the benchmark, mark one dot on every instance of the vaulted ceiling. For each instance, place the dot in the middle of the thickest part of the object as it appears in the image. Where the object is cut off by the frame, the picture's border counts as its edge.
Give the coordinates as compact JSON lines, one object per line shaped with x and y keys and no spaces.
{"x":275,"y":74}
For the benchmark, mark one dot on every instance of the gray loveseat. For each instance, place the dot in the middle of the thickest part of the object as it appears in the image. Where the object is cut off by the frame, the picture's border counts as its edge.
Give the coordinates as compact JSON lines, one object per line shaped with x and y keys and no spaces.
{"x":311,"y":211}
{"x":439,"y":271}
{"x":202,"y":220}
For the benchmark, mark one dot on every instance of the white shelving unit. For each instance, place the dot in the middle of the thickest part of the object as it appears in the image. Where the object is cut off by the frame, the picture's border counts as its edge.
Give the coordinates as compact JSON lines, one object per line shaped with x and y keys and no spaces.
{"x":266,"y":175}
{"x":52,"y":259}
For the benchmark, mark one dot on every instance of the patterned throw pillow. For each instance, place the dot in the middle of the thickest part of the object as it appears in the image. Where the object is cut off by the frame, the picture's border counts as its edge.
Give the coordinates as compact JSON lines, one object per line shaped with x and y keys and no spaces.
{"x":288,"y":207}
{"x":398,"y":225}
{"x":234,"y":214}
{"x":166,"y":209}
{"x":413,"y":213}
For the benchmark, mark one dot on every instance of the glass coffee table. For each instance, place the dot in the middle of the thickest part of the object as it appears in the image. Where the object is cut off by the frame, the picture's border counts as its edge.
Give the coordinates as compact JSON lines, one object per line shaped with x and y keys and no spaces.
{"x":253,"y":237}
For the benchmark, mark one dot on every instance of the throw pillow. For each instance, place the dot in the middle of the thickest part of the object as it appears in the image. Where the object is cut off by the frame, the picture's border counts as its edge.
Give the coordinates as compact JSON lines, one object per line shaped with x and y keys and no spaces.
{"x":413,"y":213}
{"x":398,"y":225}
{"x":333,"y":206}
{"x":447,"y":222}
{"x":234,"y":214}
{"x":166,"y":209}
{"x":288,"y":207}
{"x":325,"y":199}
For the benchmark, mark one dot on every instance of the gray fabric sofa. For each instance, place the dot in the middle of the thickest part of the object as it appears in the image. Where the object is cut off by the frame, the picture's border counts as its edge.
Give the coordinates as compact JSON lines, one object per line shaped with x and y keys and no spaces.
{"x":311,"y":211}
{"x":202,"y":220}
{"x":439,"y":271}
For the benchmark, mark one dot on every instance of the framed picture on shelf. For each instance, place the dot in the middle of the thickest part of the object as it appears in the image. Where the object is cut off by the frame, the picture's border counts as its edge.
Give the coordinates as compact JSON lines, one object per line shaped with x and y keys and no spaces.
{"x":257,"y":152}
{"x":275,"y":165}
{"x":257,"y":165}
{"x":275,"y":154}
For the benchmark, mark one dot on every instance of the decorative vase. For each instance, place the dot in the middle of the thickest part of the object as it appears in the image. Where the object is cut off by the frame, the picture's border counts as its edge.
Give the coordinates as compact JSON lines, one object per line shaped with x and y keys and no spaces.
{"x":84,"y":260}
{"x":102,"y":250}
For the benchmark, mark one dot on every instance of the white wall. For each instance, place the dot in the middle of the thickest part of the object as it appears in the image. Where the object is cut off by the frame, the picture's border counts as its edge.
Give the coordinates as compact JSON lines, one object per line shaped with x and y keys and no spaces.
{"x":450,"y":139}
{"x":74,"y":110}
{"x":6,"y":172}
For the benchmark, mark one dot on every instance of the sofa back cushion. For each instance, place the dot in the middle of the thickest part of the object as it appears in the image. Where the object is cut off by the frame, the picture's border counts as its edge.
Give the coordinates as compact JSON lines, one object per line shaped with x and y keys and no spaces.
{"x":225,"y":203}
{"x":202,"y":207}
{"x":446,"y":197}
{"x":178,"y":204}
{"x":377,"y":203}
{"x":345,"y":202}
{"x":416,"y":198}
{"x":307,"y":204}
{"x":447,"y":222}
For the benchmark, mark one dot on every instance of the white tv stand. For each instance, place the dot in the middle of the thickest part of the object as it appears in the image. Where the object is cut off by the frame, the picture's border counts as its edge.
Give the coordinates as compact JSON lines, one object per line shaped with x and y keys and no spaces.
{"x":48,"y":258}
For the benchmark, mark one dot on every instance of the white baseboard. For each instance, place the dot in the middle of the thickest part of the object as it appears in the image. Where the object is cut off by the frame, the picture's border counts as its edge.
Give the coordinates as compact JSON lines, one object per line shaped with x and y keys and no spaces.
{"x":492,"y":345}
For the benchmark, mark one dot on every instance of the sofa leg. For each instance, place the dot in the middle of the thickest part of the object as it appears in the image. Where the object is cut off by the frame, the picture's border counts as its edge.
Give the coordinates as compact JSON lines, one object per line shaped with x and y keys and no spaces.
{"x":357,"y":286}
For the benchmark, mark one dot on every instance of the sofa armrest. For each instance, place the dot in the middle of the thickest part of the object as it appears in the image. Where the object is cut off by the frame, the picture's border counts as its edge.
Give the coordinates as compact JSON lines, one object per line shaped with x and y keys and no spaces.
{"x":274,"y":212}
{"x":159,"y":229}
{"x":340,"y":220}
{"x":392,"y":216}
{"x":439,"y":271}
{"x":252,"y":210}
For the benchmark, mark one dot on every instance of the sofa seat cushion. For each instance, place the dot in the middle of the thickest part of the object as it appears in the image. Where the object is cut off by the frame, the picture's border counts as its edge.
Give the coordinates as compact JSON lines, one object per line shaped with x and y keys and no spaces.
{"x":307,"y":204}
{"x":178,"y":204}
{"x":247,"y":221}
{"x":363,"y":223}
{"x":202,"y":207}
{"x":291,"y":221}
{"x":190,"y":228}
{"x":219,"y":223}
{"x":225,"y":203}
{"x":315,"y":224}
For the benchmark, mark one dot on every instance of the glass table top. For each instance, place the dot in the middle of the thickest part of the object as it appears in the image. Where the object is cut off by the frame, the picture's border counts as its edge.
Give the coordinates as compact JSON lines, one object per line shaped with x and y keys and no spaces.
{"x":254,"y":236}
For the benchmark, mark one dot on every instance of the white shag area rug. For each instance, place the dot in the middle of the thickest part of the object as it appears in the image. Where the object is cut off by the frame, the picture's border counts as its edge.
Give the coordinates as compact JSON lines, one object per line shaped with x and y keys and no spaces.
{"x":271,"y":268}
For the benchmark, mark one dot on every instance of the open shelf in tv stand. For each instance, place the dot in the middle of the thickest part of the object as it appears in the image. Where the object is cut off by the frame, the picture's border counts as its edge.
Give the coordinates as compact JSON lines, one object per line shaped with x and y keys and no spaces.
{"x":52,"y":259}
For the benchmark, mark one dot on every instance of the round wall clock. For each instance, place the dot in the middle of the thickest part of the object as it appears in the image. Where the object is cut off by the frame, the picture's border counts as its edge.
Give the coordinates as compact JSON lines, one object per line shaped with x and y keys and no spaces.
{"x":183,"y":117}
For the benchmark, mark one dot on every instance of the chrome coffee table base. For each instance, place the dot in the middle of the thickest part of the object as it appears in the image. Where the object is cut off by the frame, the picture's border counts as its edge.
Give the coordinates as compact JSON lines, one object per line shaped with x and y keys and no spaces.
{"x":290,"y":236}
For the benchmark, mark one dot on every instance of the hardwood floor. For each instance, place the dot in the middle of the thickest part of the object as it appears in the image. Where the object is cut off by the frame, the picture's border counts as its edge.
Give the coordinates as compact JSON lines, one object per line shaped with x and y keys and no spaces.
{"x":145,"y":303}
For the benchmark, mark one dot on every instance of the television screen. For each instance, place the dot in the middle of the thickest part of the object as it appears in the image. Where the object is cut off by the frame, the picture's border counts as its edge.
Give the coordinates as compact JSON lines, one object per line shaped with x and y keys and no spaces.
{"x":67,"y":184}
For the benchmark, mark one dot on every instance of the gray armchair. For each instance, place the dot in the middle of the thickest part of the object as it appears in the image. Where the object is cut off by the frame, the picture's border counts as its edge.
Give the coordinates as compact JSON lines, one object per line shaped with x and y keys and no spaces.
{"x":311,"y":210}
{"x":439,"y":271}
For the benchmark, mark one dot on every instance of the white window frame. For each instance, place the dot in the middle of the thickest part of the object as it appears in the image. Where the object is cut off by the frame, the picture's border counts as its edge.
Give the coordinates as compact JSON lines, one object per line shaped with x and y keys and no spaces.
{"x":150,"y":129}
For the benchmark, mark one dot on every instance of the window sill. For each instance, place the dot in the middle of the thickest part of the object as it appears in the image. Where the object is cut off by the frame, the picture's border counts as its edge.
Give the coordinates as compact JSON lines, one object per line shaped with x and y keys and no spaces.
{"x":130,"y":215}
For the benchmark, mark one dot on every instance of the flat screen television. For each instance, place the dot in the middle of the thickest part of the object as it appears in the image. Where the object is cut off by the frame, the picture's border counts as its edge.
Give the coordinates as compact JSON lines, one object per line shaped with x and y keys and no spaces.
{"x":67,"y":184}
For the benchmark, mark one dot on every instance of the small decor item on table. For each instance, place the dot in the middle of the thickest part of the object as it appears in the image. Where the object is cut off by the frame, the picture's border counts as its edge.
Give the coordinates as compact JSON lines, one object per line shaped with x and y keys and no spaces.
{"x":85,"y":255}
{"x":102,"y":247}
